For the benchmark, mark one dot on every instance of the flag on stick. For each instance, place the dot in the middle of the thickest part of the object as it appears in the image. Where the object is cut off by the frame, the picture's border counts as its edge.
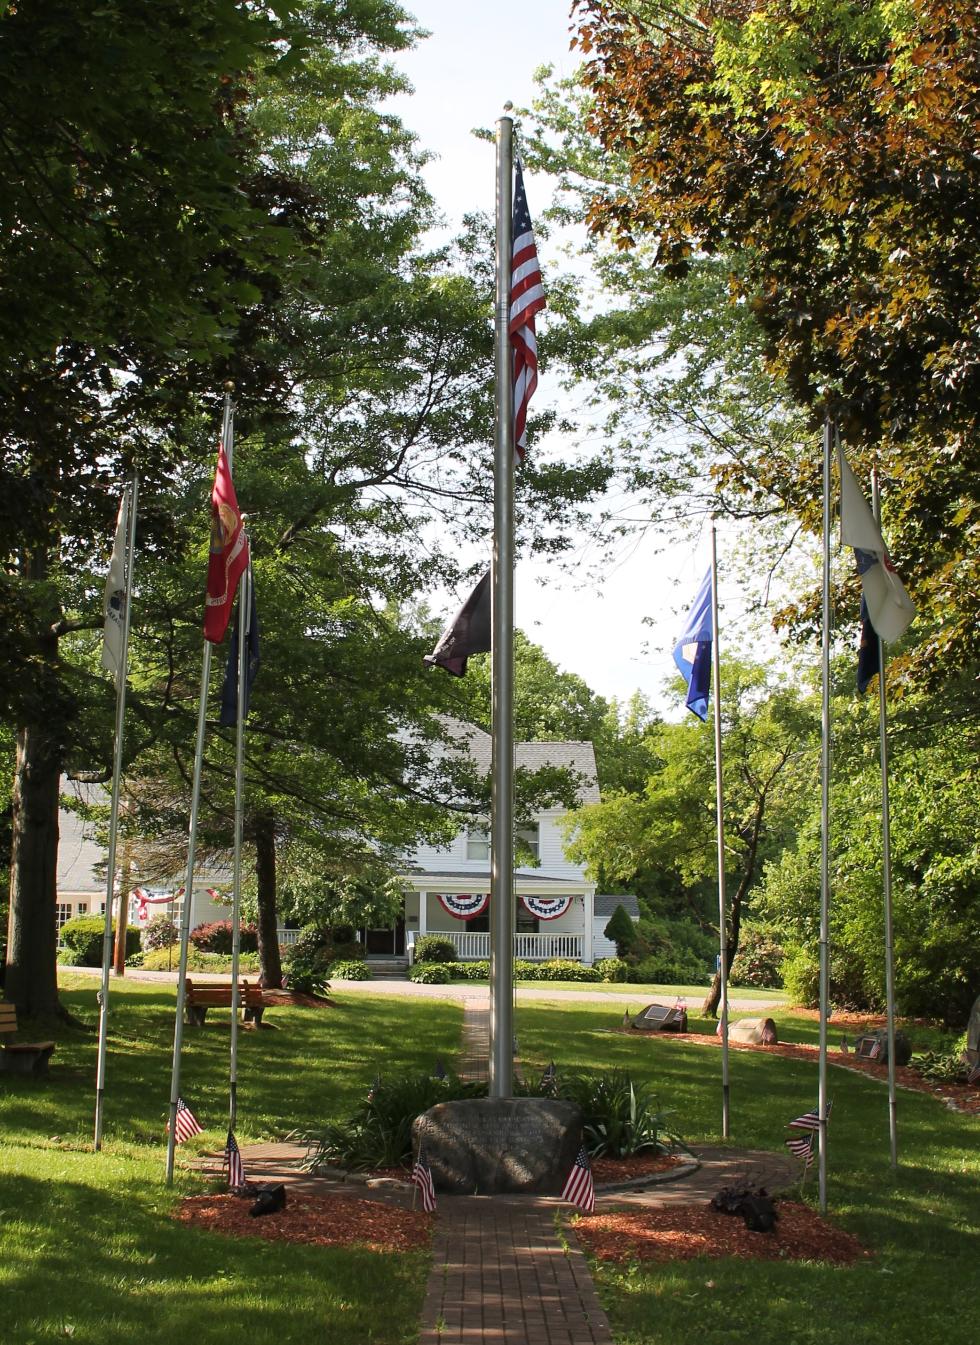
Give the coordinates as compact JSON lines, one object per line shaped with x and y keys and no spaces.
{"x":579,"y":1188}
{"x":526,"y":300}
{"x":422,"y":1179}
{"x":185,"y":1123}
{"x":117,"y":593}
{"x":469,"y":632}
{"x":890,"y":609}
{"x":229,"y":689}
{"x":229,"y":552}
{"x":802,"y":1147}
{"x":692,"y":652}
{"x":233,"y":1162}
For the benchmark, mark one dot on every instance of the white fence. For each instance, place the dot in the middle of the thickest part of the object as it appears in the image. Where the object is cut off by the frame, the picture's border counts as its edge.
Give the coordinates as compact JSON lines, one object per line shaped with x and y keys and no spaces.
{"x":472,"y":947}
{"x":287,"y":937}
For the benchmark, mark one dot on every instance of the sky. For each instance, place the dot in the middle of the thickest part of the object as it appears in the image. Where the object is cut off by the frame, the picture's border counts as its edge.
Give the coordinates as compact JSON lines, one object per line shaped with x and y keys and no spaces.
{"x":618,"y":636}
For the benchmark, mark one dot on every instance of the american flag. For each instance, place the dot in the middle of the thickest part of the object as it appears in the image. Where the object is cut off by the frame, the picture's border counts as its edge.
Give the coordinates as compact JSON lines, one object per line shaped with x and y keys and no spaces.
{"x":874,"y":1050}
{"x":422,"y":1178}
{"x":974,"y":1074}
{"x":802,"y":1147}
{"x":185,"y":1123}
{"x":579,"y":1189}
{"x":810,"y":1120}
{"x":526,"y":299}
{"x":233,"y":1160}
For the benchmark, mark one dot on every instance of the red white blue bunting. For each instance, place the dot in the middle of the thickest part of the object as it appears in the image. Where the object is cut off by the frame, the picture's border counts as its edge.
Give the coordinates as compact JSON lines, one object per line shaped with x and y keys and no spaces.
{"x":547,"y":908}
{"x":464,"y":905}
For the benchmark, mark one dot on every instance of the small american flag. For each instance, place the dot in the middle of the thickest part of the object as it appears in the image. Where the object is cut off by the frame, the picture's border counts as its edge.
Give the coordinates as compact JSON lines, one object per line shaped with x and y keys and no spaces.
{"x":802,"y":1147}
{"x":579,"y":1188}
{"x":810,"y":1120}
{"x":233,"y":1161}
{"x":185,"y":1123}
{"x":422,"y":1178}
{"x":974,"y":1074}
{"x":526,"y":300}
{"x":874,"y":1050}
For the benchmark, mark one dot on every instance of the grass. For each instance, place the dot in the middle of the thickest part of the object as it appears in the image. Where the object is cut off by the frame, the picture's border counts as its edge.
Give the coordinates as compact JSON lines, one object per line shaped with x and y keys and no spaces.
{"x":87,"y":1248}
{"x":694,"y":994}
{"x":923,"y":1222}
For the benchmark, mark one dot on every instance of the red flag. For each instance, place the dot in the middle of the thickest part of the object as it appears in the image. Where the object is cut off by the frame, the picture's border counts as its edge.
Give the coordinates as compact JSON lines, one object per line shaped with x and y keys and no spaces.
{"x":229,"y":552}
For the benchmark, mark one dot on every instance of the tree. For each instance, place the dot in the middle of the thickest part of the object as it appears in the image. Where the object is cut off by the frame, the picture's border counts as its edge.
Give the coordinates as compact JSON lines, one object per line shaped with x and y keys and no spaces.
{"x":669,"y":828}
{"x":621,"y":930}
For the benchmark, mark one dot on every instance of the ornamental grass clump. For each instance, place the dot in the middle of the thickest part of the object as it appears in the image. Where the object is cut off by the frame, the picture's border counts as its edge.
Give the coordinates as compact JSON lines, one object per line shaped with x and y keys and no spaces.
{"x":620,"y":1118}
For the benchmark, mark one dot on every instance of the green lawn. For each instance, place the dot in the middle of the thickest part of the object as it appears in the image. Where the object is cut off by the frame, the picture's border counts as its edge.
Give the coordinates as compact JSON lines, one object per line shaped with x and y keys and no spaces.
{"x":88,"y":1250}
{"x":694,"y":994}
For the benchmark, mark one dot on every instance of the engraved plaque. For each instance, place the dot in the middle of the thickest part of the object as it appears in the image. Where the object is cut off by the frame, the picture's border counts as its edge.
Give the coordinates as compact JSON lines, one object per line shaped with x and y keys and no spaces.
{"x":488,"y":1146}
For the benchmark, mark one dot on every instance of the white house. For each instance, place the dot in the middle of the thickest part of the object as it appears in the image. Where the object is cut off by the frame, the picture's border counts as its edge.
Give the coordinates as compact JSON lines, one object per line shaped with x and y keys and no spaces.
{"x":447,"y":889}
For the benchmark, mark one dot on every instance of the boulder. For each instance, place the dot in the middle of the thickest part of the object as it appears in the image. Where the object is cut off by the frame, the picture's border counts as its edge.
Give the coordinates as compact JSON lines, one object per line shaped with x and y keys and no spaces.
{"x":492,"y":1146}
{"x":753,"y":1031}
{"x":660,"y":1018}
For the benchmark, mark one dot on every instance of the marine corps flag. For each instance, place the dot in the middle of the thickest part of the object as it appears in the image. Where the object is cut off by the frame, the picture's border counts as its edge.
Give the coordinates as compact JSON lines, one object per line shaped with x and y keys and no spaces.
{"x":229,"y":552}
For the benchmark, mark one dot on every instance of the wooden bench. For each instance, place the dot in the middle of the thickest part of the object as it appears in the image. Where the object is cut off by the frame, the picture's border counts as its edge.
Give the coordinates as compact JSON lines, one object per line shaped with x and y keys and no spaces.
{"x":200,"y":996}
{"x":22,"y":1057}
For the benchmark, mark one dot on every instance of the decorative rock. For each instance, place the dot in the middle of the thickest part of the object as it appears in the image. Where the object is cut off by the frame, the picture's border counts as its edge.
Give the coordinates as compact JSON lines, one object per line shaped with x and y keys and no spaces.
{"x":660,"y":1018}
{"x":490,"y":1146}
{"x":753,"y":1031}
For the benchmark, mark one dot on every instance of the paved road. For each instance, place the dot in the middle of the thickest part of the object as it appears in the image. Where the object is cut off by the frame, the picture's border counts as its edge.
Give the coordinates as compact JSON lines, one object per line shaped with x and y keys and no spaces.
{"x":467,"y":992}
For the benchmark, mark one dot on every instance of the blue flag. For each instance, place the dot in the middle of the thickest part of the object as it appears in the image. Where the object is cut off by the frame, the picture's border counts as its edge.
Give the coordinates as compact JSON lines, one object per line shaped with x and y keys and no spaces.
{"x":869,"y":664}
{"x":229,"y":691}
{"x":692,"y":652}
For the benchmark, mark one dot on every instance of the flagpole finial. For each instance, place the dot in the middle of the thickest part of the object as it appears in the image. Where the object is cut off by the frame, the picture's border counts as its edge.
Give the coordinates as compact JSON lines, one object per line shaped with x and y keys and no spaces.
{"x":229,"y":385}
{"x":508,"y":106}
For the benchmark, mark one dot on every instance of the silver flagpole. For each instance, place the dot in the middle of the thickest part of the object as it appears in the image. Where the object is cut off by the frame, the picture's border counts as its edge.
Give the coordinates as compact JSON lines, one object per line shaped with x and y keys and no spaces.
{"x":244,"y":611}
{"x":824,"y":824}
{"x":886,"y":866}
{"x":132,"y":491}
{"x":720,"y":808}
{"x":501,"y":1057}
{"x":227,"y":439}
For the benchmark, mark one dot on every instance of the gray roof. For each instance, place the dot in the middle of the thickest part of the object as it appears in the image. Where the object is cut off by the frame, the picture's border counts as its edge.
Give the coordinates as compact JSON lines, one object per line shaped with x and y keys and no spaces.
{"x":79,"y":856}
{"x":605,"y":905}
{"x":578,"y":757}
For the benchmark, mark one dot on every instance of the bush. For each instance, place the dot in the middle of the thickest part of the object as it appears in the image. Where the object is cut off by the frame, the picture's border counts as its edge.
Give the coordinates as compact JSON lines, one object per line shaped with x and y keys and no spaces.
{"x":213,"y":964}
{"x":136,"y":961}
{"x":612,"y":969}
{"x":669,"y":967}
{"x":801,"y":978}
{"x":759,"y":960}
{"x":621,"y":930}
{"x":379,"y":1134}
{"x":215,"y":937}
{"x":83,"y":936}
{"x":619,"y":1116}
{"x":526,"y":971}
{"x":434,"y":948}
{"x":306,"y":963}
{"x":346,"y":969}
{"x":431,"y":973}
{"x":160,"y":932}
{"x":470,"y":971}
{"x":562,"y":969}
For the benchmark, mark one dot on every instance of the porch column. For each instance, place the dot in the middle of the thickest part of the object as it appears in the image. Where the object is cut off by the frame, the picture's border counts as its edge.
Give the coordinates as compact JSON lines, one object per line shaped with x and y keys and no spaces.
{"x":423,"y":912}
{"x":588,"y":910}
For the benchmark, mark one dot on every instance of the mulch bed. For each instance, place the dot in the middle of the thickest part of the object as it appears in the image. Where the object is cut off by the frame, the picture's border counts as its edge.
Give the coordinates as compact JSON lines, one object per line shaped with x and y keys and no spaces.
{"x":612,"y":1171}
{"x":324,"y":1221}
{"x":683,"y":1232}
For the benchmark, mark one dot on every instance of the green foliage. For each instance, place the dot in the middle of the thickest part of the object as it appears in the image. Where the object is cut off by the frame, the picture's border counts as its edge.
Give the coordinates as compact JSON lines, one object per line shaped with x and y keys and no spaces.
{"x":434,"y":948}
{"x":379,"y":1133}
{"x":563,"y":969}
{"x":83,"y":936}
{"x":478,"y":970}
{"x":160,"y":932}
{"x":621,"y":930}
{"x":345,"y":969}
{"x":945,"y":1064}
{"x":611,"y":968}
{"x":620,"y":1117}
{"x":212,"y":964}
{"x":759,"y":961}
{"x":432,"y":973}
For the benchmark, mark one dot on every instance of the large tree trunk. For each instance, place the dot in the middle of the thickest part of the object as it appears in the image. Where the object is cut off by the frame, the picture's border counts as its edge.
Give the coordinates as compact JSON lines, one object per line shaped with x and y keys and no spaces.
{"x":270,"y":963}
{"x":32,"y":942}
{"x":709,"y":1008}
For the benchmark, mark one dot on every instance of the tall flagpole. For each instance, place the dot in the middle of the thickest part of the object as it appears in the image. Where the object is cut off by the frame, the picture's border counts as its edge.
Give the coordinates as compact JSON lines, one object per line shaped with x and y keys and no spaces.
{"x":720,"y":810}
{"x":824,"y":823}
{"x":227,"y":439}
{"x":886,"y":864}
{"x":244,"y":616}
{"x":501,"y":1057}
{"x":122,"y":675}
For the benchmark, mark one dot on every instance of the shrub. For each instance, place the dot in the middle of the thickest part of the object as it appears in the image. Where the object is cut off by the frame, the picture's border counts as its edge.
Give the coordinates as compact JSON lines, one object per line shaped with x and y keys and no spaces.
{"x":621,"y":930}
{"x":669,"y":967}
{"x":562,"y":969}
{"x":214,"y":964}
{"x":619,"y":1116}
{"x":135,"y":961}
{"x":470,"y":971}
{"x":612,"y":969}
{"x":160,"y":932}
{"x":83,"y":936}
{"x":306,"y":963}
{"x":526,"y":971}
{"x":215,"y":937}
{"x":346,"y":969}
{"x":379,"y":1134}
{"x":431,"y":973}
{"x":759,"y":960}
{"x":434,"y":948}
{"x":848,"y":990}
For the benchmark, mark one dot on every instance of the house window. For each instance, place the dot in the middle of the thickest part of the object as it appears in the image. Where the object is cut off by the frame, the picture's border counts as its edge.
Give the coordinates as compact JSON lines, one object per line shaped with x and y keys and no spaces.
{"x":524,"y":921}
{"x":62,"y":914}
{"x":530,"y":836}
{"x":478,"y":845}
{"x":82,"y":907}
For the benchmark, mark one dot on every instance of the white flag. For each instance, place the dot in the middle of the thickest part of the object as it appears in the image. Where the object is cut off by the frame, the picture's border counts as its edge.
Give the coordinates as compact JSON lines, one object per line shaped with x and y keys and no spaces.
{"x":116,"y":595}
{"x":889,"y":606}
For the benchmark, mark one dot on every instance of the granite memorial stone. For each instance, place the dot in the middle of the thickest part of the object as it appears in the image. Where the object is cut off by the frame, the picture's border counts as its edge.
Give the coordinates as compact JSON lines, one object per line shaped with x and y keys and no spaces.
{"x":753,"y":1032}
{"x":660,"y":1018}
{"x":493,"y":1146}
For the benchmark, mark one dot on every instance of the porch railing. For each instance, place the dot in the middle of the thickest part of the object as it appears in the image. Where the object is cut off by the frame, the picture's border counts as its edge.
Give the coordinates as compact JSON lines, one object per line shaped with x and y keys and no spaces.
{"x":473,"y":947}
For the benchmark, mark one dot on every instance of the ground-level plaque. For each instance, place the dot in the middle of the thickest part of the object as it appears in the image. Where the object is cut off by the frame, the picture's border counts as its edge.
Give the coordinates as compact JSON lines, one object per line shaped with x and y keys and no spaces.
{"x":489,"y":1146}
